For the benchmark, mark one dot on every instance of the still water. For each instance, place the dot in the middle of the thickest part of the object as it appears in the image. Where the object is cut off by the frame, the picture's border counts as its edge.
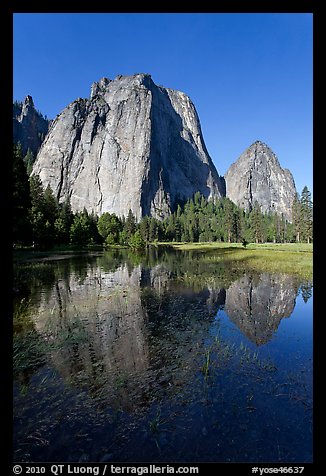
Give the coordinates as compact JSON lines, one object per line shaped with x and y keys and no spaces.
{"x":168,"y":357}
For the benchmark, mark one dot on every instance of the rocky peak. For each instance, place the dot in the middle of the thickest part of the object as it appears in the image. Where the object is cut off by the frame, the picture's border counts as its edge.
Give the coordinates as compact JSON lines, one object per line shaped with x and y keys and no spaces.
{"x":106,"y":85}
{"x":132,"y":145}
{"x":29,"y":126}
{"x":99,"y":87}
{"x":257,"y":176}
{"x":28,"y":107}
{"x":259,"y":150}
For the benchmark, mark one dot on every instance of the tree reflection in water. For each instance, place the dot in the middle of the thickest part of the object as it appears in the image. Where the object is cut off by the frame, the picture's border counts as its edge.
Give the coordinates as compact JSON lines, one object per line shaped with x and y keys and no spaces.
{"x":132,"y":332}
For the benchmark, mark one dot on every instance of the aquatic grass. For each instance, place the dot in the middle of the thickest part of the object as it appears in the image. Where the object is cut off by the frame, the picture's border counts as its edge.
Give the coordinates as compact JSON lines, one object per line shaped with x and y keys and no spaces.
{"x":274,"y":261}
{"x":71,"y":337}
{"x":205,"y":368}
{"x":21,"y":316}
{"x":121,"y":381}
{"x":221,"y":354}
{"x":204,"y":246}
{"x":28,"y":351}
{"x":250,"y":357}
{"x":187,"y":375}
{"x":21,"y":308}
{"x":156,"y":424}
{"x":291,"y":258}
{"x":35,"y":272}
{"x":28,"y":347}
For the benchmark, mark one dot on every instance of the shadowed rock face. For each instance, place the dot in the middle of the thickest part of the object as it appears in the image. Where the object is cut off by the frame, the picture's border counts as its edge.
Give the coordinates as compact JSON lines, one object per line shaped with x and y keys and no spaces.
{"x":132,"y":145}
{"x":29,"y":127}
{"x":258,"y":177}
{"x":257,"y":305}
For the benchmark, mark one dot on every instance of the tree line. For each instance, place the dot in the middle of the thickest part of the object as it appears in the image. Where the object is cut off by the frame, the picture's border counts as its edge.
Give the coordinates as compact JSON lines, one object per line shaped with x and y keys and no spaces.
{"x":40,"y":220}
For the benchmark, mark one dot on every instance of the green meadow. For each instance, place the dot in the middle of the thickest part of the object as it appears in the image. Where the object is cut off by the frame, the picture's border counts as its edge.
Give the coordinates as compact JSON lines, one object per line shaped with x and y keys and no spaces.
{"x":293,"y":258}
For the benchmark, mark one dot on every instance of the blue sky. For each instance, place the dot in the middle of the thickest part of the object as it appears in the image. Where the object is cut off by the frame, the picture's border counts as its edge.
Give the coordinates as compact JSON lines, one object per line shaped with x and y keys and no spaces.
{"x":249,"y":75}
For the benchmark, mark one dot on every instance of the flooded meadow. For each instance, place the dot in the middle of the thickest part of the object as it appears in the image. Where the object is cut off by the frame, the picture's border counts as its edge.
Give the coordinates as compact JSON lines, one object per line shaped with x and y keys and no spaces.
{"x":169,"y":356}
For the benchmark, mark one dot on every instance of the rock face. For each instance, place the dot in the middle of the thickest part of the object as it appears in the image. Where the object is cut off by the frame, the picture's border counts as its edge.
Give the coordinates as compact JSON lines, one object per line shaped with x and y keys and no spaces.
{"x":132,"y":145}
{"x":258,"y":177}
{"x":29,"y":126}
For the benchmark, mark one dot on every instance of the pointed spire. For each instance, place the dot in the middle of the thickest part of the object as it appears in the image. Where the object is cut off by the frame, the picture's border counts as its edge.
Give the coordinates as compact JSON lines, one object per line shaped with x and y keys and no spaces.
{"x":28,"y":105}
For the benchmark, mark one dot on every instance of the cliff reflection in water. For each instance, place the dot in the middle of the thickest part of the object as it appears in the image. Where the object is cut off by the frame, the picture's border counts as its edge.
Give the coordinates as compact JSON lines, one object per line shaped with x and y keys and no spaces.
{"x":257,"y":304}
{"x":99,"y":328}
{"x":133,"y":333}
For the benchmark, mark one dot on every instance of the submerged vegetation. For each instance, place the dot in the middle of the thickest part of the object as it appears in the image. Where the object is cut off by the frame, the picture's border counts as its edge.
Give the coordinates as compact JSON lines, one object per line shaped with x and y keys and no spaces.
{"x":159,"y":354}
{"x":292,"y":258}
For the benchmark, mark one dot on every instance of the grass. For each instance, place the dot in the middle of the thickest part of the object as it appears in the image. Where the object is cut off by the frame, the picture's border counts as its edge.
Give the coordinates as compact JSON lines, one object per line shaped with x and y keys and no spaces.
{"x":206,"y":364}
{"x":28,"y":352}
{"x":203,"y":246}
{"x":292,"y":258}
{"x":220,"y":354}
{"x":155,"y":425}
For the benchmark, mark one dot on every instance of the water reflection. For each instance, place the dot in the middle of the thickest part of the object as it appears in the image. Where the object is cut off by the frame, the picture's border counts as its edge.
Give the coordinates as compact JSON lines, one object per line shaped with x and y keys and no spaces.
{"x":98,"y":325}
{"x":116,"y":331}
{"x":134,"y":333}
{"x":257,"y":304}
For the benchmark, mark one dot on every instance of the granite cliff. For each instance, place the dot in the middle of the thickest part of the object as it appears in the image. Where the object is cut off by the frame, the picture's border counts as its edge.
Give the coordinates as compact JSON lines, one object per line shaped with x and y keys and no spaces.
{"x":131,"y":145}
{"x":258,"y":177}
{"x":135,"y":145}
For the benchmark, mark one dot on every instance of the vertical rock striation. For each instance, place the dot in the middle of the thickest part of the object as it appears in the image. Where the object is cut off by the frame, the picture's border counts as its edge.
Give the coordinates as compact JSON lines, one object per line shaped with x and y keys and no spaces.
{"x":131,"y":145}
{"x":258,"y":177}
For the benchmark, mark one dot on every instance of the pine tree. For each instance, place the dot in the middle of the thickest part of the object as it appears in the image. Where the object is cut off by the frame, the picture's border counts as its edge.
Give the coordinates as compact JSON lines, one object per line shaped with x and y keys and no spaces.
{"x":237,"y":225}
{"x":51,"y":205}
{"x":92,"y":218}
{"x":191,"y":221}
{"x":29,"y":160}
{"x":296,"y":218}
{"x":306,"y":215}
{"x":37,"y":192}
{"x":43,"y":213}
{"x":153,"y":229}
{"x":283,"y":229}
{"x":130,"y":224}
{"x":20,"y":197}
{"x":203,"y":203}
{"x":144,"y":228}
{"x":231,"y":221}
{"x":257,"y":223}
{"x":66,"y":217}
{"x":170,"y":228}
{"x":178,"y":224}
{"x":276,"y":228}
{"x":37,"y":210}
